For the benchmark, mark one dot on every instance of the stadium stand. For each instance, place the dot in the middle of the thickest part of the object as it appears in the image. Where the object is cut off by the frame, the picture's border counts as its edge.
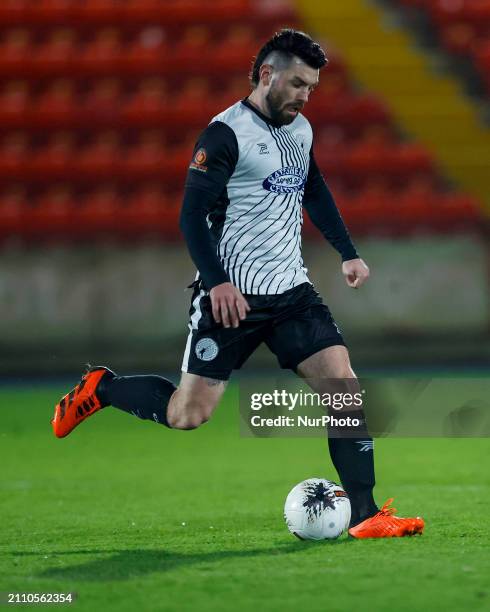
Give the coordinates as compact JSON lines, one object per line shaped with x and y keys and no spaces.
{"x":462,"y":28}
{"x":101,"y":102}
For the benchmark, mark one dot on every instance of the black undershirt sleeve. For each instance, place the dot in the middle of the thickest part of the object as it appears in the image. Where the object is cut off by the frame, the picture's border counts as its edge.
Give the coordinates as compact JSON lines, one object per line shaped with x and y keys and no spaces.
{"x":324,"y":213}
{"x":213,"y":162}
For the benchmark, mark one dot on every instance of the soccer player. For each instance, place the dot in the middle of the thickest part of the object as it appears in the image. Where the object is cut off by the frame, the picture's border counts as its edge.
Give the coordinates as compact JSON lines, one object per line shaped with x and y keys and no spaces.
{"x":252,"y":172}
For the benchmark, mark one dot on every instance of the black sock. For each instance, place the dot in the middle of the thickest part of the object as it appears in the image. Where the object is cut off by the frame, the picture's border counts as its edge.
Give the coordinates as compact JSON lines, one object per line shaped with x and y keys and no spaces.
{"x":351,"y":450}
{"x":146,"y":397}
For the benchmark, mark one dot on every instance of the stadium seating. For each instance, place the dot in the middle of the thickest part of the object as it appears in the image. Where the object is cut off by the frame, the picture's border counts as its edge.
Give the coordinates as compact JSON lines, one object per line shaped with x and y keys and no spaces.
{"x":462,"y":28}
{"x":101,"y":102}
{"x":14,"y":209}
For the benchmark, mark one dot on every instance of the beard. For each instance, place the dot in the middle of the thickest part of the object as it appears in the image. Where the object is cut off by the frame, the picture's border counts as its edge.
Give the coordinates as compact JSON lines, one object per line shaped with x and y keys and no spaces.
{"x":278,"y":108}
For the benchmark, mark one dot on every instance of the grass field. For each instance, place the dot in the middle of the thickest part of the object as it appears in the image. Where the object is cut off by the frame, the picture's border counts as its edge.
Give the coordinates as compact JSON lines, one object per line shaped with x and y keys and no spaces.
{"x":132,"y":516}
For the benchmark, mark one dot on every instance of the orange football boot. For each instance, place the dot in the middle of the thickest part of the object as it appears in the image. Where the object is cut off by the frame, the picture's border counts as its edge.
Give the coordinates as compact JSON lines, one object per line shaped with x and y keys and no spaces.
{"x":80,"y":403}
{"x":384,"y":525}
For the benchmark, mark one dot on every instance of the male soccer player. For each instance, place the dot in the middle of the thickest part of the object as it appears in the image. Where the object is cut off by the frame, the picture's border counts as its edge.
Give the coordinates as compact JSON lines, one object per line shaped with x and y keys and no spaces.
{"x":252,"y":172}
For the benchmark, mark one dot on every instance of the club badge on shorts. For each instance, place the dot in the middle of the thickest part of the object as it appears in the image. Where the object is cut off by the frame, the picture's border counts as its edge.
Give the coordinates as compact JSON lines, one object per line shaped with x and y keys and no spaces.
{"x":206,"y":349}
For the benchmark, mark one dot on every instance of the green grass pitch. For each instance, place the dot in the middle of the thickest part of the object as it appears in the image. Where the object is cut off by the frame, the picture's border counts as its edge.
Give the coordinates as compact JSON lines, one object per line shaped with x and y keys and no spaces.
{"x":131,"y":516}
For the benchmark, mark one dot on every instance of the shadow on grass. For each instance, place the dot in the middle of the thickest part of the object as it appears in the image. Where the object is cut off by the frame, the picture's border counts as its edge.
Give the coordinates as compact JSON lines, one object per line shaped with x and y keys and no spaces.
{"x":125,"y":564}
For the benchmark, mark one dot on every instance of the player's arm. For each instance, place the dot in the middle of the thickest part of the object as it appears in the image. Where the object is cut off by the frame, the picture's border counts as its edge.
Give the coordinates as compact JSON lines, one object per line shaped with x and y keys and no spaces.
{"x":325,"y":215}
{"x":214,"y":159}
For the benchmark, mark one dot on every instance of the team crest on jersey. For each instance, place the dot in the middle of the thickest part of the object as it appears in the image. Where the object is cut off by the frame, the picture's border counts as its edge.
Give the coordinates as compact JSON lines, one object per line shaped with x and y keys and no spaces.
{"x":285,"y":180}
{"x":199,"y":160}
{"x":206,"y":349}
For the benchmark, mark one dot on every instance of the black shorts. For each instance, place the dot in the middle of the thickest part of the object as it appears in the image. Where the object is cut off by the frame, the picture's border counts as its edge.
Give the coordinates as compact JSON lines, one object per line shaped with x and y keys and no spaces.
{"x":294,"y":325}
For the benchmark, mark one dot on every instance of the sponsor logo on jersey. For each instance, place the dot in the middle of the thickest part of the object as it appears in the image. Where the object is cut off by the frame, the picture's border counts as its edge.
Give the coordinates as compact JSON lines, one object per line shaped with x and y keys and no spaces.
{"x":206,"y":349}
{"x":199,"y":160}
{"x":285,"y":180}
{"x":263,"y":148}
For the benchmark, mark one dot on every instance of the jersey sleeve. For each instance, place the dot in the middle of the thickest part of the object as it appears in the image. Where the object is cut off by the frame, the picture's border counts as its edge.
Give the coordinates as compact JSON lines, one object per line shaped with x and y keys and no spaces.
{"x":324,"y":213}
{"x":214,"y":159}
{"x":213,"y":162}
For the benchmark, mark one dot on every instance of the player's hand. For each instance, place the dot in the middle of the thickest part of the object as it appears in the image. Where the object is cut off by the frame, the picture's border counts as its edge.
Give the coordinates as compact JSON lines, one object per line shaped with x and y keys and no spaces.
{"x":356,"y":272}
{"x":229,"y":305}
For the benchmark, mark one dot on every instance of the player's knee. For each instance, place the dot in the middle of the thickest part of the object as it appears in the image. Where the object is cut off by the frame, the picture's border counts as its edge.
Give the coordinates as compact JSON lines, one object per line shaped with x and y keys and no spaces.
{"x":189,"y":416}
{"x":186,"y":422}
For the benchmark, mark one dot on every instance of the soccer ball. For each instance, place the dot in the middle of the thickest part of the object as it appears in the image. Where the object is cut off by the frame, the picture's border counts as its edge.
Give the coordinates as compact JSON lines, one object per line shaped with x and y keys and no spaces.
{"x":317,"y":509}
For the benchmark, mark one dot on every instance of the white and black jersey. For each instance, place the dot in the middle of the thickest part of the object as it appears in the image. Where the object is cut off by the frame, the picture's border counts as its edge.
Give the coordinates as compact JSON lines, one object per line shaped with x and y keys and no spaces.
{"x":243,"y":204}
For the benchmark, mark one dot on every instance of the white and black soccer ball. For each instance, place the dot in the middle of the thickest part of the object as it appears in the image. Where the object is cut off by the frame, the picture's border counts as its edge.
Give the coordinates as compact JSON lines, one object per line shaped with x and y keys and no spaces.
{"x":317,"y":509}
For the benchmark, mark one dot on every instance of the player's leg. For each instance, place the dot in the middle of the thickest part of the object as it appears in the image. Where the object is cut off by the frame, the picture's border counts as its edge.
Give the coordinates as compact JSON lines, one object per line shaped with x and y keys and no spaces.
{"x":306,"y":339}
{"x":156,"y":398}
{"x":351,"y":451}
{"x":194,"y":401}
{"x":211,"y":353}
{"x":331,"y":362}
{"x":148,"y":397}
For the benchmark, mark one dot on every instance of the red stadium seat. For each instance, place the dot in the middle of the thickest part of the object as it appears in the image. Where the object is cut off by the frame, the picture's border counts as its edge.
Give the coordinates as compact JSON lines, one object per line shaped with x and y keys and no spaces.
{"x":194,"y":11}
{"x":476,"y":12}
{"x":365,"y":110}
{"x":13,"y":12}
{"x":147,"y":159}
{"x":148,"y":212}
{"x":238,"y":88}
{"x":147,"y":104}
{"x":371,"y":154}
{"x":459,"y":210}
{"x":58,"y":104}
{"x":103,"y":103}
{"x":135,"y":11}
{"x":327,"y":103}
{"x":14,"y":104}
{"x":100,"y":11}
{"x":372,"y":208}
{"x":52,"y":11}
{"x":343,"y":201}
{"x":97,"y":213}
{"x":330,"y":148}
{"x":192,"y":46}
{"x":57,"y":54}
{"x":236,"y":49}
{"x":193,"y":103}
{"x":333,"y":84}
{"x":15,"y":50}
{"x":101,"y":158}
{"x":379,"y":154}
{"x":52,"y":216}
{"x":330,"y":138}
{"x":412,"y":158}
{"x":179,"y":158}
{"x":101,"y":55}
{"x":416,"y":203}
{"x":13,"y":210}
{"x":55,"y":160}
{"x":482,"y":57}
{"x":458,"y":38}
{"x":147,"y":53}
{"x":14,"y":153}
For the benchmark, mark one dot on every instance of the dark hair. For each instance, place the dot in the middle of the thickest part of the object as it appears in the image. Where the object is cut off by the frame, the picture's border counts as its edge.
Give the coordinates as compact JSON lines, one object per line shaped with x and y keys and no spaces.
{"x":289,"y":43}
